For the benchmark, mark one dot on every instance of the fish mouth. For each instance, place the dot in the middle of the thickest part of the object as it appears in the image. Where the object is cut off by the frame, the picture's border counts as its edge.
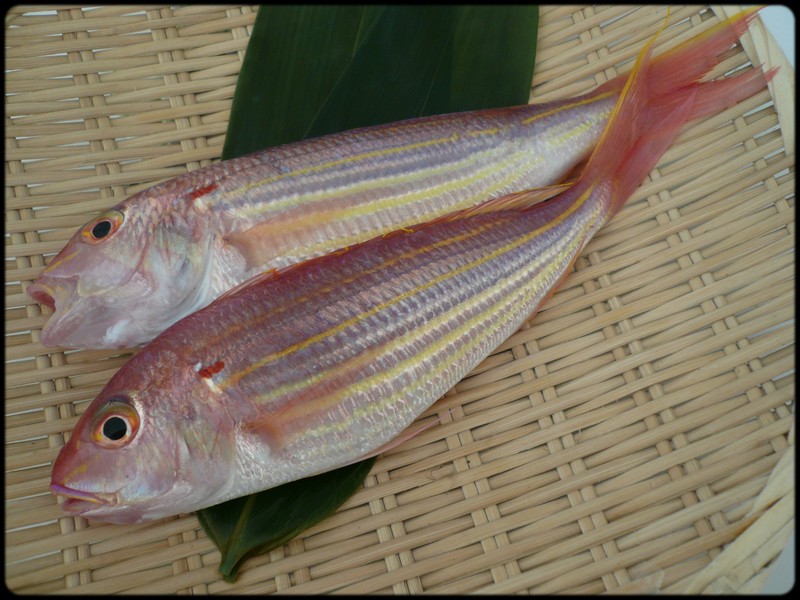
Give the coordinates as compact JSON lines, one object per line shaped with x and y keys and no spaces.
{"x":78,"y":502}
{"x":58,"y":294}
{"x":42,"y":294}
{"x":53,"y":292}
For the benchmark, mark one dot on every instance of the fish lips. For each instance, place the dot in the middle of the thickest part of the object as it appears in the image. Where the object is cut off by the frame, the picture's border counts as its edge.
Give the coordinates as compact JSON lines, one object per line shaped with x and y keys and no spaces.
{"x":54,"y":292}
{"x":78,"y":502}
{"x":43,"y":294}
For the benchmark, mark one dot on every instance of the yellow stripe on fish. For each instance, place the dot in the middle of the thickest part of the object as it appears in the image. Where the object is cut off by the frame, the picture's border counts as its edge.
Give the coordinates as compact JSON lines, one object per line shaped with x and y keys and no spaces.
{"x":395,"y":202}
{"x":522,"y":287}
{"x":556,"y":110}
{"x":232,"y":378}
{"x":349,"y":214}
{"x":410,"y":254}
{"x":393,"y":180}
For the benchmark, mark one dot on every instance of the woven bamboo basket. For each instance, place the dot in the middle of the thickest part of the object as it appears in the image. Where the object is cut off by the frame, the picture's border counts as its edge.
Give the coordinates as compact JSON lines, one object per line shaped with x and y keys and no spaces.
{"x":636,"y":435}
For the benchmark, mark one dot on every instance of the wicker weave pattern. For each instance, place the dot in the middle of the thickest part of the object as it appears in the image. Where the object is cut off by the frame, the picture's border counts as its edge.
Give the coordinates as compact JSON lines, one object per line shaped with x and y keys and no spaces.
{"x":636,"y":435}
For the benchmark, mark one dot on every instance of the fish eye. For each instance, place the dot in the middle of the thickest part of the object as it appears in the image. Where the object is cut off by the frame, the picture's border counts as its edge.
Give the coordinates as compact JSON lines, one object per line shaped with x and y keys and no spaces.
{"x":116,"y":424}
{"x":115,"y":428}
{"x":101,"y":230}
{"x":103,"y":227}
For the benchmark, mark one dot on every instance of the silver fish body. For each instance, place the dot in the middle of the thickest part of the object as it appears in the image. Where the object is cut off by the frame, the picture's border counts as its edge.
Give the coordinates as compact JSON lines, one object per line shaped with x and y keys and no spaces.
{"x":173,"y":248}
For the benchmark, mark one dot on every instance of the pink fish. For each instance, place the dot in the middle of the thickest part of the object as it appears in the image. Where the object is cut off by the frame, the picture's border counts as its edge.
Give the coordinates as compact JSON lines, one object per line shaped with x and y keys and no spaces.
{"x":171,"y":249}
{"x":320,"y":364}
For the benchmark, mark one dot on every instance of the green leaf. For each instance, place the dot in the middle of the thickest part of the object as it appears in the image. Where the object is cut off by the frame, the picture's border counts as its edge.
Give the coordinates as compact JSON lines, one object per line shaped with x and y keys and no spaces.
{"x":258,"y":523}
{"x":490,"y":61}
{"x":390,"y":76}
{"x":423,"y":60}
{"x":311,"y":70}
{"x":294,"y":57}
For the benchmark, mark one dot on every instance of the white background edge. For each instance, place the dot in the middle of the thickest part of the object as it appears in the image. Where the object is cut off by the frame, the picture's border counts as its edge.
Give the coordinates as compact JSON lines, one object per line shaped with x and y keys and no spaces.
{"x":780,"y":22}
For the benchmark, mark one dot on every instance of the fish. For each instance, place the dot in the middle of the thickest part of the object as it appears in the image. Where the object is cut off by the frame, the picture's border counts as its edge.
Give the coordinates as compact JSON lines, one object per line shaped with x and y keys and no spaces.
{"x":304,"y":369}
{"x":171,"y":249}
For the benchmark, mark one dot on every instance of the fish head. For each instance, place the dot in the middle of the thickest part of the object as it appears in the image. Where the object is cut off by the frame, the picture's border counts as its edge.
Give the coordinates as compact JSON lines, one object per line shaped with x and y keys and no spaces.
{"x":140,"y":453}
{"x":127,"y":274}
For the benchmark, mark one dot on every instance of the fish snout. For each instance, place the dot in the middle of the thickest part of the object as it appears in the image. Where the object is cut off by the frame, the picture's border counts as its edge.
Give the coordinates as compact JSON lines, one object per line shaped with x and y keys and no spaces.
{"x":59,"y":294}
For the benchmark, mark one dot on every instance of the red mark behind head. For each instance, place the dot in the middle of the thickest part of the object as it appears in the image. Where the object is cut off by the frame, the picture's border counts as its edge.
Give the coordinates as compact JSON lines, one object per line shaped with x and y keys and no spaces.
{"x":212,"y":369}
{"x":202,"y":191}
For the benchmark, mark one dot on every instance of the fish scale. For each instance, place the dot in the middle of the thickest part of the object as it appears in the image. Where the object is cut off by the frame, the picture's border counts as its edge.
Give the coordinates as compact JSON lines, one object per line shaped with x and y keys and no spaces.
{"x":367,"y":182}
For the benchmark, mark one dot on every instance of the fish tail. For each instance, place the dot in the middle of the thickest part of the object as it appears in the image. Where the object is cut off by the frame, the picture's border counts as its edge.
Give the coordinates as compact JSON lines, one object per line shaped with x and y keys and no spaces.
{"x":690,"y":60}
{"x":656,"y":99}
{"x":648,"y":115}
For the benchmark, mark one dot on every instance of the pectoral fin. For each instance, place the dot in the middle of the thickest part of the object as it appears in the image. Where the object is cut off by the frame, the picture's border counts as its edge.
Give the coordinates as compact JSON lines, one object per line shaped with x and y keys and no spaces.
{"x":268,"y":430}
{"x":514,"y":201}
{"x":255,"y":244}
{"x":256,"y":279}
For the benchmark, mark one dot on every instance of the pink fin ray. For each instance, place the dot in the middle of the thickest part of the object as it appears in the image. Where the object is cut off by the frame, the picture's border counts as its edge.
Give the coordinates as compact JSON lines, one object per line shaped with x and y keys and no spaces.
{"x":693,"y":58}
{"x":643,"y":124}
{"x":513,"y":201}
{"x":268,"y":428}
{"x":254,"y":244}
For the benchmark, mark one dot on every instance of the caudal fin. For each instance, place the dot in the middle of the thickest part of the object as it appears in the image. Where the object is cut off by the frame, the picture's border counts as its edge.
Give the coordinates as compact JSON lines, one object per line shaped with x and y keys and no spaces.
{"x":657,"y":98}
{"x":649,"y":114}
{"x":690,"y":60}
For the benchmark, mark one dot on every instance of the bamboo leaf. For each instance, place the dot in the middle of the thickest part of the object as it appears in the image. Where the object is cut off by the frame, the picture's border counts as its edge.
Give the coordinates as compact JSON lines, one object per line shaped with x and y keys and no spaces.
{"x":424,"y":60}
{"x":490,"y":61}
{"x":294,"y":57}
{"x":258,"y":523}
{"x":311,"y":70}
{"x":391,"y":74}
